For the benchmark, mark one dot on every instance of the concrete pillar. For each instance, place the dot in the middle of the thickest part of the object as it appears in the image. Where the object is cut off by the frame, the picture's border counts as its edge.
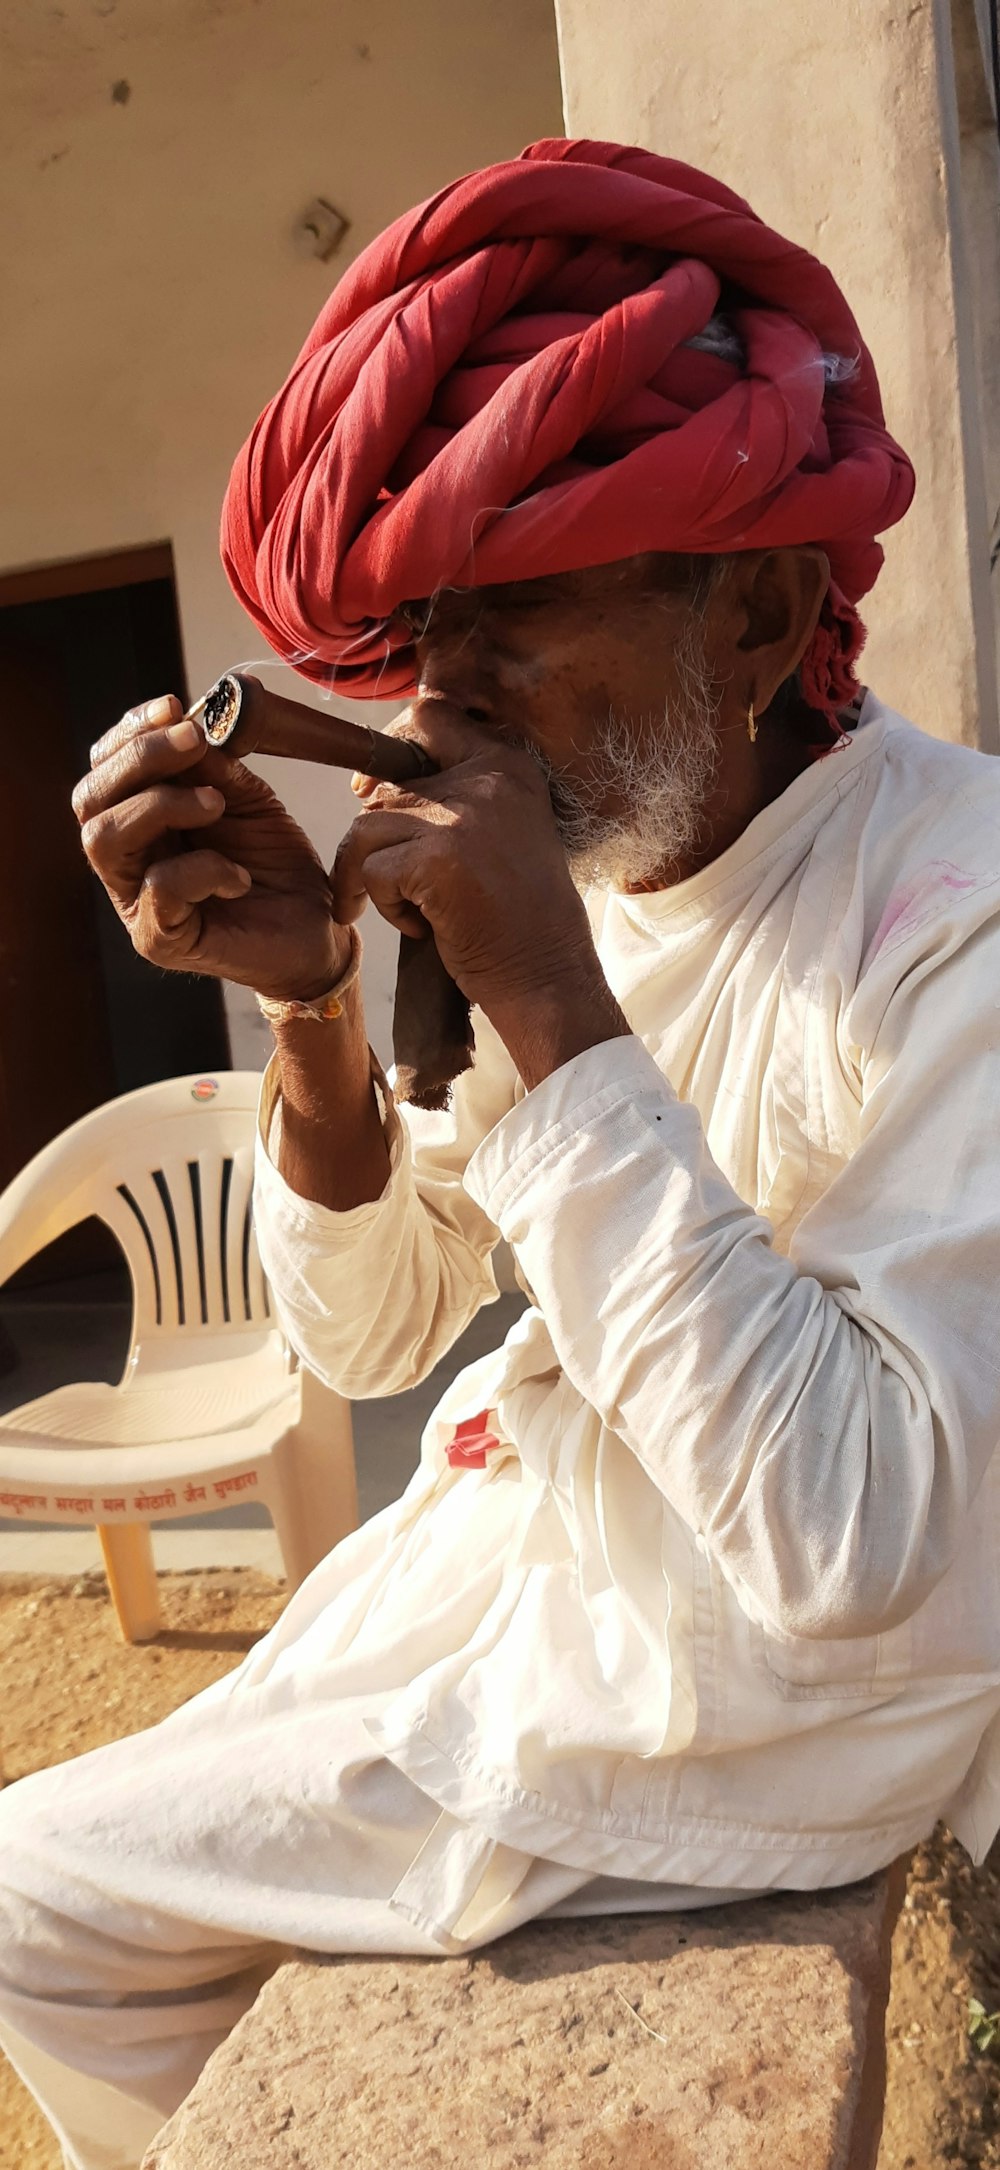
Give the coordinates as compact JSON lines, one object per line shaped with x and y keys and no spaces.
{"x":865,"y":132}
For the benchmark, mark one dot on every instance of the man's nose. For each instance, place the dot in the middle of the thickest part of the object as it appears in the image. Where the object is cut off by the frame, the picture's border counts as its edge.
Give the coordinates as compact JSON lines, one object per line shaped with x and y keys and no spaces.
{"x":454,"y":666}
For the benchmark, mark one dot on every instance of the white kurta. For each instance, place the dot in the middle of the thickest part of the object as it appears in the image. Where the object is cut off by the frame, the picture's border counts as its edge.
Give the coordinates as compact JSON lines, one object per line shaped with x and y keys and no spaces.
{"x":722,"y":1610}
{"x":723,"y":1605}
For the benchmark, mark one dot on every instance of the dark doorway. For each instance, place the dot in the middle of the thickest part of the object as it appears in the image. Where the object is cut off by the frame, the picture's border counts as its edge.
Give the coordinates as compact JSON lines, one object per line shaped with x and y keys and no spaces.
{"x":84,"y":1018}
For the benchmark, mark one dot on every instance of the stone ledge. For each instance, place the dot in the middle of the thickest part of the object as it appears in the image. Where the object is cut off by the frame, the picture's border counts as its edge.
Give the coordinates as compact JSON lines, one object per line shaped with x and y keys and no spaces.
{"x":755,"y":2037}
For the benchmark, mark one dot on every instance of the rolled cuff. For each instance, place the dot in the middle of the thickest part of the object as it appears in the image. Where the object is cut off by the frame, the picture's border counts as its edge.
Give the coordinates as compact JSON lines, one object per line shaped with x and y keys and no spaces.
{"x":556,"y":1114}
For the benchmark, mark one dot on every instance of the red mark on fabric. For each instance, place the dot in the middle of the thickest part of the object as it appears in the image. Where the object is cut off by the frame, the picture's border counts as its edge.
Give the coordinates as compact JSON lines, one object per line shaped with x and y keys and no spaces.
{"x":907,"y":907}
{"x":472,"y":1440}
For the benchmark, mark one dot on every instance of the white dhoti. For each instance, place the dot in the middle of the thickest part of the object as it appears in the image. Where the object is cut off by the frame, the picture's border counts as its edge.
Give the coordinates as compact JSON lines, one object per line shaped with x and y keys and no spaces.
{"x":149,"y":1888}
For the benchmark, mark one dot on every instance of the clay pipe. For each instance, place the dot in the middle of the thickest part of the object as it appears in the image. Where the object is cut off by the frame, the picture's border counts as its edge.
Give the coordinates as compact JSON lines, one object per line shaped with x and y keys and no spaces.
{"x":431,"y":1028}
{"x":246,"y":717}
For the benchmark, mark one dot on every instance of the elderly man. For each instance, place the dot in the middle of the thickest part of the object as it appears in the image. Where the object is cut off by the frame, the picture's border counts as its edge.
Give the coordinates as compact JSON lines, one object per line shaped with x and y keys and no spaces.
{"x":694,"y":1592}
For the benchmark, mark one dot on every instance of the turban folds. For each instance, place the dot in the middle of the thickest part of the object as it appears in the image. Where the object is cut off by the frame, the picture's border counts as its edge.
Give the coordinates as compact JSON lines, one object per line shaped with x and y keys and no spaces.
{"x":502,"y":387}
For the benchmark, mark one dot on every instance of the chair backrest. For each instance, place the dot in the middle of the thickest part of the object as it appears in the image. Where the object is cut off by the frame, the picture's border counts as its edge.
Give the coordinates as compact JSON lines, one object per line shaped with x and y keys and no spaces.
{"x":170,"y":1170}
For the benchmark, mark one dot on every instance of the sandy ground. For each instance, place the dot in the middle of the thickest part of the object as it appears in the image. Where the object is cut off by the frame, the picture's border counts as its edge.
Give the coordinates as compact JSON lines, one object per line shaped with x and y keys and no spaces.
{"x":68,"y":1684}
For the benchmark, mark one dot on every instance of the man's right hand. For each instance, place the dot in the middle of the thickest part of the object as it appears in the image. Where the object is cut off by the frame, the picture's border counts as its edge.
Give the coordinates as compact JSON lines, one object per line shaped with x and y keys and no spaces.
{"x":202,"y":862}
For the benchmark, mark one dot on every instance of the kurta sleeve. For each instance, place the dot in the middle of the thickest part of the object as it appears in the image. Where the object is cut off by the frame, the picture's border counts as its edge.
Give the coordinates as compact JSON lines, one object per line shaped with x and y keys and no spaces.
{"x":822,"y":1420}
{"x":373,"y":1297}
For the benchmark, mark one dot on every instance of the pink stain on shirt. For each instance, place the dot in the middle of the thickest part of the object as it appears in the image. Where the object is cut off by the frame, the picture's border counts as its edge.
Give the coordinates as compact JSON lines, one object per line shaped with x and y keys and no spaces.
{"x":908,"y":906}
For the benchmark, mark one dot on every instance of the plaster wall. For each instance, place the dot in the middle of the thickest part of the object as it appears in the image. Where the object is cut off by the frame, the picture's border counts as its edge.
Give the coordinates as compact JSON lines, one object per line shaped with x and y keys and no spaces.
{"x":153,"y":164}
{"x":840,"y":125}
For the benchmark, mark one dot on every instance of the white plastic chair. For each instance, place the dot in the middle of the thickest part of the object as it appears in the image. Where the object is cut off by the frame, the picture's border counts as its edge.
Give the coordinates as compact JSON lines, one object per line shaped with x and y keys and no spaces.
{"x":212,"y":1405}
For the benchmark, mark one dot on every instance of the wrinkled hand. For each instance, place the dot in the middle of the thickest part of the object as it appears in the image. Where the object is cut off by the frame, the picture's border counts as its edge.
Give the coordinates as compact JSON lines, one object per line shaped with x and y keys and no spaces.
{"x":473,"y":854}
{"x":203,"y":864}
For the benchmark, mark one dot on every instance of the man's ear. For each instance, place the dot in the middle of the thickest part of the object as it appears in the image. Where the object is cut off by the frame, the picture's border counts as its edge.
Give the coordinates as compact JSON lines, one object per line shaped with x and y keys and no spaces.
{"x":781,"y":600}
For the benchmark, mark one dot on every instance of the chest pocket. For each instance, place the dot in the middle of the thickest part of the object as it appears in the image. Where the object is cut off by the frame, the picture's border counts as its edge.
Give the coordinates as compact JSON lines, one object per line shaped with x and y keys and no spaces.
{"x":800,"y":1668}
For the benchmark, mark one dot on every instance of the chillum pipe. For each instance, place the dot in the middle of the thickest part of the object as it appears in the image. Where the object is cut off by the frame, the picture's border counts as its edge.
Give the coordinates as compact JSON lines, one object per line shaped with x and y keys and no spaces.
{"x":245,"y":717}
{"x":431,"y":1028}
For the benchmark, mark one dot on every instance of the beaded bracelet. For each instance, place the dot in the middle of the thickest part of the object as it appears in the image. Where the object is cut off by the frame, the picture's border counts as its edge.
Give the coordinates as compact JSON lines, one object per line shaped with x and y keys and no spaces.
{"x":325,"y":1007}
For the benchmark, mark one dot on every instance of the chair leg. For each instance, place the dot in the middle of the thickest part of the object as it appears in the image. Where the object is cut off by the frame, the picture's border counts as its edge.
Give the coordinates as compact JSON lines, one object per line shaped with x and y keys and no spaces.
{"x":128,"y":1558}
{"x":307,"y":1526}
{"x":312,"y":1496}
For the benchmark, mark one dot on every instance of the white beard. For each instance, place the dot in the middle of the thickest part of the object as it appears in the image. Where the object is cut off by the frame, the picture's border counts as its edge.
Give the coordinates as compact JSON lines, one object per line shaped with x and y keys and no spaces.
{"x":661,"y":779}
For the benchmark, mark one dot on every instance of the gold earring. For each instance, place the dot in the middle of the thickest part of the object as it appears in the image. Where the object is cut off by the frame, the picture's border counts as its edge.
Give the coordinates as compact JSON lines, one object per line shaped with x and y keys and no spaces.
{"x":751,"y":725}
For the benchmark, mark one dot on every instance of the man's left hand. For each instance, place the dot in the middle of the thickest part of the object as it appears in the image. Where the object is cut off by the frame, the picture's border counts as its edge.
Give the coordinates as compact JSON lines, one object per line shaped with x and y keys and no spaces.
{"x":474,"y":853}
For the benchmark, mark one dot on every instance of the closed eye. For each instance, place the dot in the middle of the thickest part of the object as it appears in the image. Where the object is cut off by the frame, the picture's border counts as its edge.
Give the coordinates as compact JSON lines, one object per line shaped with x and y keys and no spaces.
{"x":415,"y":616}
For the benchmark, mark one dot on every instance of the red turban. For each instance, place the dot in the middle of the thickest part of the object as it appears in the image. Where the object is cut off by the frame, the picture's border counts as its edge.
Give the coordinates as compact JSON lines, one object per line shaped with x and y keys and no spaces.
{"x":504,"y":386}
